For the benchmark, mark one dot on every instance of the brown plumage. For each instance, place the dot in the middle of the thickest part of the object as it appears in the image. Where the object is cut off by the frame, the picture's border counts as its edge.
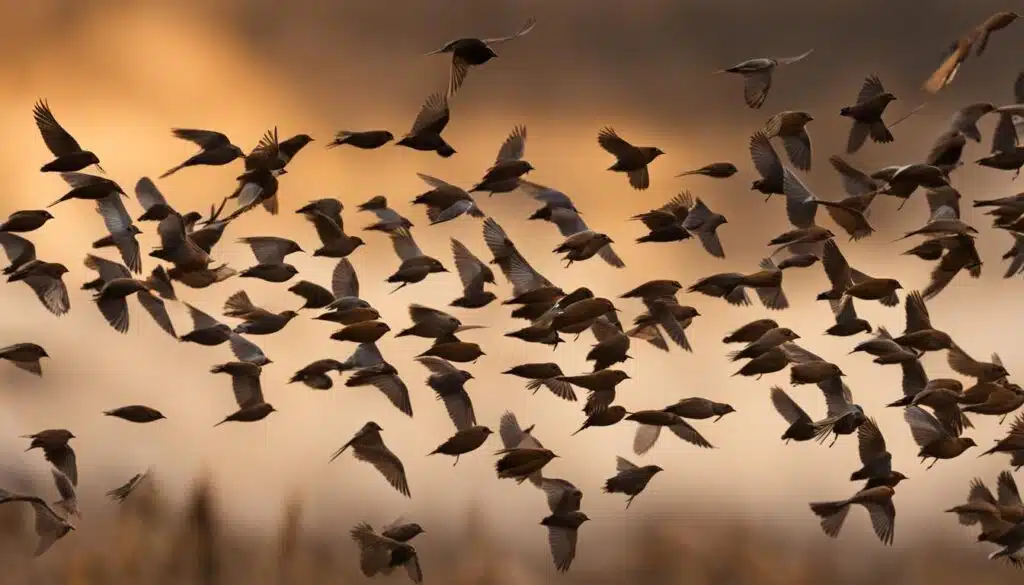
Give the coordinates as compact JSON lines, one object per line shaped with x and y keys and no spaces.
{"x":976,"y":38}
{"x":630,"y":479}
{"x":919,"y":333}
{"x":877,"y":501}
{"x":25,"y":356}
{"x":362,"y":332}
{"x":771,"y":361}
{"x":867,"y":115}
{"x":315,"y":375}
{"x":464,"y":441}
{"x":455,"y":351}
{"x":25,"y":221}
{"x":697,"y":408}
{"x":257,"y":320}
{"x":544,"y":375}
{"x":248,"y":392}
{"x":54,"y":443}
{"x":68,"y":154}
{"x":650,"y":424}
{"x":751,"y":331}
{"x":629,"y":159}
{"x":368,"y":445}
{"x":136,"y":413}
{"x":934,"y":438}
{"x":791,"y":127}
{"x":603,"y":418}
{"x":801,"y":427}
{"x":519,"y":463}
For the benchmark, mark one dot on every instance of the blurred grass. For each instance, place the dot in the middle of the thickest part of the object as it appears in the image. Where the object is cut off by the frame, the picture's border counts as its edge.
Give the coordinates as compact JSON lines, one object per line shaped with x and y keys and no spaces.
{"x":147,"y":541}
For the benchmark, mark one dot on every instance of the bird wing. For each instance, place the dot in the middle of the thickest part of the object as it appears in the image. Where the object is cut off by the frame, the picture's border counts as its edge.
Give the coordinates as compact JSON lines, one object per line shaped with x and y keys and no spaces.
{"x":510,"y":431}
{"x":547,"y":195}
{"x":119,"y":225}
{"x":1007,"y":490}
{"x":914,"y":377}
{"x":686,"y":432}
{"x":514,"y":147}
{"x":107,"y":269}
{"x":562,"y":542}
{"x":1004,"y":137}
{"x":200,"y":320}
{"x":51,"y":292}
{"x":245,"y":350}
{"x":800,"y":206}
{"x":837,"y":269}
{"x":559,"y":494}
{"x":436,"y":365}
{"x":390,"y":384}
{"x":148,"y":194}
{"x":246,"y":386}
{"x":883,"y":519}
{"x":57,"y":139}
{"x":787,"y":408}
{"x":764,"y":157}
{"x":855,"y":181}
{"x":206,"y":139}
{"x":268,"y":249}
{"x":797,"y":354}
{"x":527,"y":27}
{"x":469,"y":267}
{"x":871,"y":88}
{"x":613,"y":143}
{"x":433,"y":116}
{"x":157,"y":310}
{"x":372,"y":450}
{"x":623,"y":465}
{"x":756,"y":85}
{"x":568,"y":221}
{"x":917,"y":313}
{"x":924,"y":427}
{"x":870,"y":442}
{"x":344,"y":280}
{"x":17,"y":248}
{"x":404,"y":244}
{"x":791,"y":60}
{"x":517,"y":270}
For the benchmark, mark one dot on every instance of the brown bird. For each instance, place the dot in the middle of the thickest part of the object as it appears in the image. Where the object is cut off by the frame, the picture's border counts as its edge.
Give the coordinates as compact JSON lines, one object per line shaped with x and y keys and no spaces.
{"x":877,"y":501}
{"x":1013,"y":442}
{"x":629,"y":159}
{"x":902,"y":180}
{"x":387,"y":219}
{"x":472,"y":52}
{"x":362,"y":332}
{"x":464,"y":441}
{"x":962,"y":363}
{"x":270,"y":252}
{"x":381,"y":553}
{"x":612,"y":345}
{"x":216,"y":149}
{"x":813,"y":372}
{"x":875,"y":458}
{"x":674,"y":318}
{"x":25,"y":356}
{"x":801,"y":237}
{"x":1000,"y":400}
{"x":965,"y":121}
{"x":52,"y":522}
{"x":315,"y":375}
{"x":630,"y":479}
{"x":716,"y":170}
{"x":769,"y":362}
{"x":430,"y":122}
{"x":582,"y":246}
{"x":855,"y":182}
{"x":449,"y":383}
{"x":46,"y":281}
{"x":54,"y":443}
{"x":68,"y":154}
{"x":455,"y":351}
{"x":209,"y":332}
{"x":367,"y":445}
{"x":544,"y":375}
{"x":446,"y":201}
{"x":847,"y":321}
{"x":696,"y":408}
{"x":88,"y":187}
{"x":415,"y":266}
{"x":257,"y":320}
{"x":363,"y":140}
{"x":524,"y":278}
{"x":25,"y":221}
{"x":601,"y":385}
{"x":757,"y":76}
{"x":768,"y":165}
{"x":665,"y":224}
{"x":434,"y":324}
{"x":514,"y":436}
{"x":961,"y":49}
{"x":509,"y":166}
{"x":520,"y":463}
{"x":867,"y":115}
{"x":245,"y":384}
{"x":179,"y":248}
{"x":801,"y":427}
{"x":934,"y":438}
{"x":947,"y":149}
{"x":563,"y":528}
{"x":1006,"y":155}
{"x":136,"y":413}
{"x":473,"y":274}
{"x":767,"y":341}
{"x":384,"y":377}
{"x":751,"y":332}
{"x":650,"y":423}
{"x":919,"y":333}
{"x":791,"y":127}
{"x":343,"y":294}
{"x":603,"y":418}
{"x":334,"y":242}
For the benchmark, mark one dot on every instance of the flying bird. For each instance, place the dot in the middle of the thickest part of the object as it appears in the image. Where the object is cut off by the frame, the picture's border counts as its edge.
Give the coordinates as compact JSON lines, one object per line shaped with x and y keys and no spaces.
{"x":368,"y":446}
{"x":757,"y":76}
{"x":69,"y":156}
{"x":248,"y":391}
{"x":430,"y":122}
{"x":866,"y":114}
{"x":472,"y":52}
{"x":215,"y":149}
{"x":629,"y":159}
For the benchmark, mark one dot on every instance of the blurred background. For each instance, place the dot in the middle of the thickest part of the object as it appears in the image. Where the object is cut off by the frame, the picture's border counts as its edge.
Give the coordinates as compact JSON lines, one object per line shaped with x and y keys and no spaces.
{"x":119,"y":75}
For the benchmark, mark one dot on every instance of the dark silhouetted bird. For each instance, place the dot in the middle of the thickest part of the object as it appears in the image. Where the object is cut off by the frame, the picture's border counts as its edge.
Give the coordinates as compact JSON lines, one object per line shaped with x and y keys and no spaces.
{"x":216,"y":149}
{"x":25,"y":356}
{"x":363,"y":140}
{"x":368,"y":445}
{"x":877,"y":501}
{"x":245,"y":384}
{"x":471,"y":52}
{"x":54,"y":443}
{"x":757,"y":76}
{"x":716,"y":170}
{"x":68,"y":154}
{"x":136,"y":413}
{"x":25,"y":221}
{"x":270,"y":252}
{"x":630,"y":479}
{"x":431,"y":121}
{"x":867,"y":115}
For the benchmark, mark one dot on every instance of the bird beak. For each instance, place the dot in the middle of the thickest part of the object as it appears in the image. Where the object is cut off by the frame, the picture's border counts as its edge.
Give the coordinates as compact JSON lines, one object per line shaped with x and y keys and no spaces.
{"x":100,"y":168}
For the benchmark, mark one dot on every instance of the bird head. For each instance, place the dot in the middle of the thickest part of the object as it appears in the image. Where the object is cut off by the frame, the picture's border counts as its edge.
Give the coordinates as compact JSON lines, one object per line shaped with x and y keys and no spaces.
{"x":289,"y":314}
{"x":656,"y":469}
{"x":968,"y":442}
{"x":896,"y":284}
{"x":897,"y":477}
{"x":889,"y":96}
{"x":789,"y":333}
{"x":270,"y":407}
{"x":446,"y":150}
{"x":357,"y":241}
{"x":373,"y":426}
{"x":47,"y":214}
{"x":436,"y":266}
{"x":656,"y":152}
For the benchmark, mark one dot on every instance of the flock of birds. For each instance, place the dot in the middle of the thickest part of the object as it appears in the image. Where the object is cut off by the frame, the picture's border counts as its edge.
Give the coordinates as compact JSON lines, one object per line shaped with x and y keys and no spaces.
{"x":935,"y":409}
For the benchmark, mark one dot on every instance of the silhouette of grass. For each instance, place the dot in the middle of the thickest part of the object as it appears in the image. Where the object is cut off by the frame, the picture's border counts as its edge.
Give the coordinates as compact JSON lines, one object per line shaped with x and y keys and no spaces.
{"x":149,"y":542}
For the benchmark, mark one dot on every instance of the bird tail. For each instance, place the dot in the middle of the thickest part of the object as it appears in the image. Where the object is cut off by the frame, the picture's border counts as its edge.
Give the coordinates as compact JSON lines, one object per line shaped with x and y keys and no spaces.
{"x":832,"y":514}
{"x":844,"y":111}
{"x":173,"y":170}
{"x":534,"y":385}
{"x":734,"y":356}
{"x":991,"y":451}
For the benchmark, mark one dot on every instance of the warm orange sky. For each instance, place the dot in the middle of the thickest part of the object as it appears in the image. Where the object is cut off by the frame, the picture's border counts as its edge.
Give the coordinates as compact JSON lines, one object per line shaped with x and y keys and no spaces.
{"x":119,"y":78}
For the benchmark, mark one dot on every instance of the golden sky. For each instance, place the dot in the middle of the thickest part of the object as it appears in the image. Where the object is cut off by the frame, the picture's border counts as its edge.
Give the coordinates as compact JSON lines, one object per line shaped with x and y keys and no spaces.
{"x":119,"y":76}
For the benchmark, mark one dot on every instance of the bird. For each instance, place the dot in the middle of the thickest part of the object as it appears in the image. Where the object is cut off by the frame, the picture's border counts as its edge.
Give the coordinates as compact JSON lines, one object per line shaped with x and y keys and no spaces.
{"x":430,"y":122}
{"x":54,"y":443}
{"x":544,"y":375}
{"x":563,"y":533}
{"x":568,"y":221}
{"x":380,"y":554}
{"x":208,"y":331}
{"x":582,"y":246}
{"x":25,"y":221}
{"x":121,"y":493}
{"x":52,"y":522}
{"x":463,"y":441}
{"x":136,"y":413}
{"x":751,"y":331}
{"x":875,"y":458}
{"x":919,"y":333}
{"x":650,"y":424}
{"x":385,"y":378}
{"x":934,"y":438}
{"x":25,"y":356}
{"x":629,"y":159}
{"x":449,"y":383}
{"x":344,"y":288}
{"x":469,"y":52}
{"x":387,"y":219}
{"x":877,"y":501}
{"x":46,"y":281}
{"x":866,"y":114}
{"x":368,"y":445}
{"x":801,"y":427}
{"x":715,"y":170}
{"x":445,"y":201}
{"x":474,"y":275}
{"x":362,"y":332}
{"x":630,"y":479}
{"x":757,"y":76}
{"x":975,"y":39}
{"x":521,"y":463}
{"x":1013,"y":442}
{"x":415,"y":266}
{"x":697,"y":408}
{"x":791,"y":127}
{"x":603,"y":418}
{"x":215,"y":149}
{"x":315,"y":375}
{"x":363,"y":140}
{"x":69,"y":156}
{"x":767,"y":164}
{"x":88,"y":187}
{"x":681,"y":218}
{"x":509,"y":167}
{"x":270,"y":253}
{"x":248,"y":391}
{"x":1006,"y":153}
{"x":153,"y":202}
{"x":257,"y":320}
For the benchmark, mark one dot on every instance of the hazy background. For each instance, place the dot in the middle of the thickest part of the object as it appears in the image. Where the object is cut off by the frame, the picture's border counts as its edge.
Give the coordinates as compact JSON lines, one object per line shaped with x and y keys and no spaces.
{"x":119,"y":75}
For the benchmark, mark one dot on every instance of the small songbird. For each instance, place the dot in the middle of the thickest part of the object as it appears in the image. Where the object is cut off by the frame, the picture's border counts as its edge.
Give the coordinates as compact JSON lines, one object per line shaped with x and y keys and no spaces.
{"x":509,"y":166}
{"x":472,"y":52}
{"x":381,"y":553}
{"x":46,"y":281}
{"x":629,"y":159}
{"x":245,"y":383}
{"x":52,"y":522}
{"x":315,"y":375}
{"x":387,"y":219}
{"x":54,"y":443}
{"x":384,"y":377}
{"x":877,"y":501}
{"x":88,"y":187}
{"x":69,"y":155}
{"x":757,"y":76}
{"x":867,"y":115}
{"x":431,"y":121}
{"x":136,"y":413}
{"x":449,"y":383}
{"x":875,"y":458}
{"x":563,"y":529}
{"x":446,"y":201}
{"x":367,"y":445}
{"x":650,"y":423}
{"x":257,"y":320}
{"x":216,"y":149}
{"x":364,"y":140}
{"x":976,"y":38}
{"x":473,"y":274}
{"x":801,"y":427}
{"x":630,"y":479}
{"x":716,"y":170}
{"x":768,"y":165}
{"x":935,"y":439}
{"x":520,"y":463}
{"x":415,"y":266}
{"x":751,"y":332}
{"x":25,"y":356}
{"x":270,"y":253}
{"x":463,"y":441}
{"x":25,"y":221}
